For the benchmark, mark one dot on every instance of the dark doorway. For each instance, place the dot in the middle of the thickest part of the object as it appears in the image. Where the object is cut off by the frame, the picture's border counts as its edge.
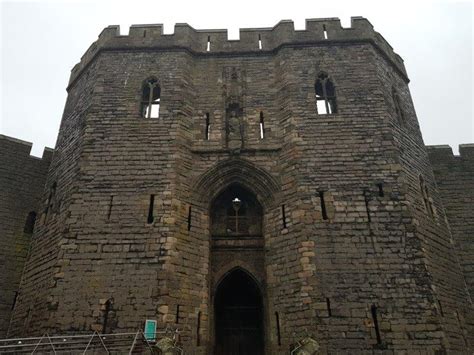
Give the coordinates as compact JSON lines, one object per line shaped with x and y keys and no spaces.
{"x":238,"y":316}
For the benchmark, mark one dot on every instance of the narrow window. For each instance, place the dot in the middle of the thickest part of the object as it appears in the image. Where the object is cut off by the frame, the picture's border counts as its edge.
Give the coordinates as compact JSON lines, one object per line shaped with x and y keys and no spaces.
{"x":108,"y":307}
{"x":111,"y":202}
{"x":208,"y":49}
{"x":30,"y":222}
{"x":325,"y":32}
{"x":14,"y":300}
{"x":262,"y":126}
{"x":398,"y":107}
{"x":189,"y":218}
{"x":177,"y":314}
{"x":366,"y":201}
{"x":198,"y":330}
{"x":144,"y":33}
{"x":151,"y":92}
{"x":325,"y":95}
{"x":259,"y":42}
{"x":323,"y":205}
{"x":277,"y":320}
{"x":328,"y":305}
{"x":380,"y":187}
{"x":373,"y":310}
{"x":151,"y":218}
{"x":208,"y":127}
{"x":283,"y":215}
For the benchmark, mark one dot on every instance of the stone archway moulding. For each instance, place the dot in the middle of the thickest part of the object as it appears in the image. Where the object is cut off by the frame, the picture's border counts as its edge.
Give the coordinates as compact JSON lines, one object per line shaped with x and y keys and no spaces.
{"x":236,"y":171}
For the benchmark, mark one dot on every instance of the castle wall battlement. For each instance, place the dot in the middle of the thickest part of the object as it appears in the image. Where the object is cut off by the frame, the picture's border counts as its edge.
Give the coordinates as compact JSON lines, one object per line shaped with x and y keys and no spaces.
{"x":455,"y":180}
{"x":23,"y":148}
{"x":321,"y":31}
{"x":445,"y":152}
{"x":22,"y":179}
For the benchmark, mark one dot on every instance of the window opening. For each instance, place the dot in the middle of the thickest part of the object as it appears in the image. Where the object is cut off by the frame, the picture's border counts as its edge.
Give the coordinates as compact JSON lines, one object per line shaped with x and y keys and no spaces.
{"x":189,"y":218}
{"x":30,"y":223}
{"x":150,"y":107}
{"x":14,"y":300}
{"x":328,"y":306}
{"x":236,"y":211}
{"x":323,"y":205}
{"x":208,"y":127}
{"x":208,"y":48}
{"x":144,"y":33}
{"x":380,"y":187}
{"x":109,"y":213}
{"x":277,"y":319}
{"x":198,"y":329}
{"x":325,"y":95}
{"x":177,"y":314}
{"x":259,"y":42}
{"x":325,"y":32}
{"x":108,"y":307}
{"x":150,"y":210}
{"x":283,"y":215}
{"x":262,"y":126}
{"x":373,"y":310}
{"x":366,"y":201}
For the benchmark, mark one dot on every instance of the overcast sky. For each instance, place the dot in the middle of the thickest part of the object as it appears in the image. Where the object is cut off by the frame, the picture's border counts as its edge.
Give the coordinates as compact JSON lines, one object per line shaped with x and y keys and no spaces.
{"x":42,"y":40}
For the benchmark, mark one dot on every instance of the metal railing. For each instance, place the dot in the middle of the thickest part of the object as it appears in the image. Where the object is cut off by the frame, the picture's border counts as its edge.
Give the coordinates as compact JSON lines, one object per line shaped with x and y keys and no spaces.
{"x":114,"y":343}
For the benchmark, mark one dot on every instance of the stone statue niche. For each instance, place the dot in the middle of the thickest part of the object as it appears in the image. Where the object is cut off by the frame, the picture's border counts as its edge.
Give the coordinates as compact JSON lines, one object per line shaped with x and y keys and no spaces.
{"x":234,"y":127}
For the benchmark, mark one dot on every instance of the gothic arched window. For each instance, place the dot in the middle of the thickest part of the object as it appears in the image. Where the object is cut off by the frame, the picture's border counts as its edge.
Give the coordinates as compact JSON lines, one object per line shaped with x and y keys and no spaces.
{"x":325,"y":95}
{"x":150,"y":104}
{"x":236,"y":212}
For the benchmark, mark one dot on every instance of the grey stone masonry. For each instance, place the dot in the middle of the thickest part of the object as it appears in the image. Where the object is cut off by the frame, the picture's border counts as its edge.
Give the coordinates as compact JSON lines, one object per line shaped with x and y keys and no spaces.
{"x":342,"y":235}
{"x":22,"y":179}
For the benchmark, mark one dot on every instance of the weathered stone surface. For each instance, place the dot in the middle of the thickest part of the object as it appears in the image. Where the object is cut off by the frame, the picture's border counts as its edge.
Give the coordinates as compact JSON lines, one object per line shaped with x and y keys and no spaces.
{"x":377,"y":253}
{"x":22,"y":179}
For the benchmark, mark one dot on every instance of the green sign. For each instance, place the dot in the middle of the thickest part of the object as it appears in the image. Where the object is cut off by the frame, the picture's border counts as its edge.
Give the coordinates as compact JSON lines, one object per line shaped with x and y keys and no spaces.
{"x":150,"y":330}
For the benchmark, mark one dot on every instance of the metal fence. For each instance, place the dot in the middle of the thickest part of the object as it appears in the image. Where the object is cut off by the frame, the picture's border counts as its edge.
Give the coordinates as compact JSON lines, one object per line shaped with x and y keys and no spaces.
{"x":117,"y":343}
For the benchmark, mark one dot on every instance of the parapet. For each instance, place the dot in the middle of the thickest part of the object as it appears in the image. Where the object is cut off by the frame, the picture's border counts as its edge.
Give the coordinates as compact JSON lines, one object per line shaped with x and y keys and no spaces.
{"x":444,"y":153}
{"x":19,"y":148}
{"x":324,"y":31}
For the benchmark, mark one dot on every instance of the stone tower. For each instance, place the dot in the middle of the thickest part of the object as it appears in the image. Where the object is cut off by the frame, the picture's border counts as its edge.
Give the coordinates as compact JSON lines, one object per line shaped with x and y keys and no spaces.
{"x":251,"y":193}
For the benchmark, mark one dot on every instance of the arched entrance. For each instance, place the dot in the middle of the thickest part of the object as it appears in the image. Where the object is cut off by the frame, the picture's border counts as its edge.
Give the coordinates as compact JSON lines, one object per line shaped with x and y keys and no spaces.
{"x":238,"y":314}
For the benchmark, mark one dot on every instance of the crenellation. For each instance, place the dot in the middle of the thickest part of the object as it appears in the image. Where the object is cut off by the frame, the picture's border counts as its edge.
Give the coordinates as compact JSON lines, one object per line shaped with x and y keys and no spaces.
{"x":165,"y":197}
{"x":22,"y":178}
{"x":185,"y":37}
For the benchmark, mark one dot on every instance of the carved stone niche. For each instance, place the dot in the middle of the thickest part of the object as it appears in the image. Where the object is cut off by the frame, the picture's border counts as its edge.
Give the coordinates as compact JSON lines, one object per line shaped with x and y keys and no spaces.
{"x":233,"y":90}
{"x":234,"y":127}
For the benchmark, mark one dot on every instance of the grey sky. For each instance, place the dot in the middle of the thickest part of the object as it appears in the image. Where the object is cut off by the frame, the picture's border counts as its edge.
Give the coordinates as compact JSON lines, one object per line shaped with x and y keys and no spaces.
{"x":42,"y":40}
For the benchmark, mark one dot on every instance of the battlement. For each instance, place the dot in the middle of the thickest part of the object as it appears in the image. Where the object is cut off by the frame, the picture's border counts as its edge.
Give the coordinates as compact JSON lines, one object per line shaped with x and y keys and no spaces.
{"x":445,"y":152}
{"x":19,"y":147}
{"x":322,"y":31}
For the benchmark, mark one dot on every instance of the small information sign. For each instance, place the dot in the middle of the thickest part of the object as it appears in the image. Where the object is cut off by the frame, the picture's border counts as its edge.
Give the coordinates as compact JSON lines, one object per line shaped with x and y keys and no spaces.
{"x":150,"y":330}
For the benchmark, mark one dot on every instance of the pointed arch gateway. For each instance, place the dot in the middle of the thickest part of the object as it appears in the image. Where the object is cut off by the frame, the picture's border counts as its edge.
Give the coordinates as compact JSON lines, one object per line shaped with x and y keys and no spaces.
{"x":238,"y":314}
{"x":237,"y":196}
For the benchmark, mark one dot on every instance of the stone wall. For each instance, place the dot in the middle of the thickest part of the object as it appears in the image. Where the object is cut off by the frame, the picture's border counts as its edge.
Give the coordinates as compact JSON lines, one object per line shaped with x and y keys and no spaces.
{"x":364,"y":274}
{"x":22,"y":179}
{"x":455,"y":181}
